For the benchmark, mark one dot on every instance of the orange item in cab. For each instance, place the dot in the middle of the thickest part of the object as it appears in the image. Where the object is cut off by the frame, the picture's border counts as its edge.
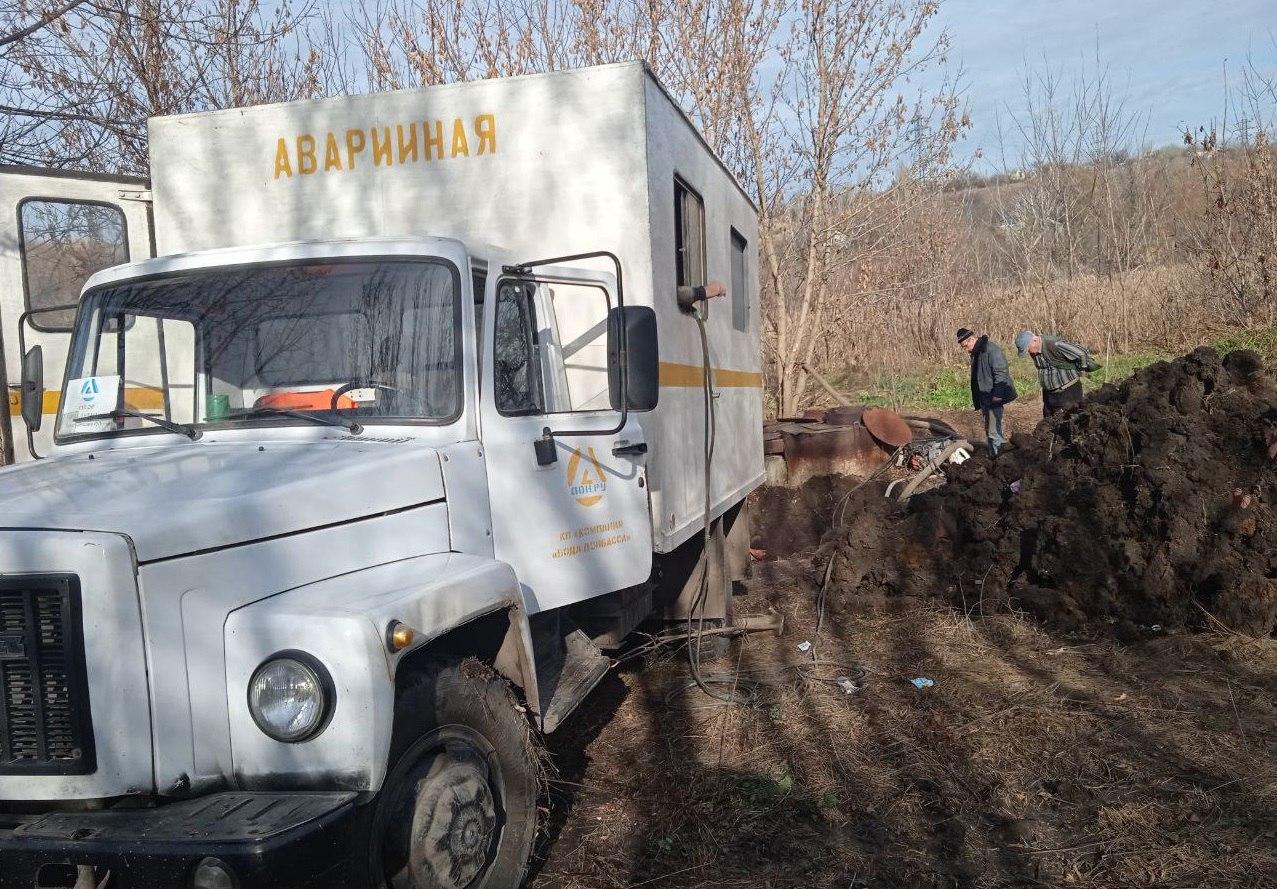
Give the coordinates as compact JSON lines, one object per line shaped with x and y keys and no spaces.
{"x":306,"y":401}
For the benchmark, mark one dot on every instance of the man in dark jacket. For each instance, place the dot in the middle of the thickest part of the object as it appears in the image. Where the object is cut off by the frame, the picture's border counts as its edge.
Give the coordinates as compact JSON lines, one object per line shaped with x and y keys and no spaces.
{"x":991,"y":384}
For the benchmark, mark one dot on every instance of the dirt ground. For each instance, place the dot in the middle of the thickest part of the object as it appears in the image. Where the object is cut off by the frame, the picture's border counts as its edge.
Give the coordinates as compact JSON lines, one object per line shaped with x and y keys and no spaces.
{"x":1044,"y":753}
{"x":1032,"y":761}
{"x":1020,"y":415}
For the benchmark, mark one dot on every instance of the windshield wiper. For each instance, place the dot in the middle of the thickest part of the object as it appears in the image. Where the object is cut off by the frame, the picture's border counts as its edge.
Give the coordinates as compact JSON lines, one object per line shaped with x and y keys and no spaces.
{"x":352,"y":427}
{"x":120,"y":413}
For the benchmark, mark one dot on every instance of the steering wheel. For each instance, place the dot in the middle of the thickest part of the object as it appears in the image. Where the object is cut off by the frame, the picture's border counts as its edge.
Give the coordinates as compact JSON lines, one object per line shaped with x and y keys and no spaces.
{"x":358,"y":384}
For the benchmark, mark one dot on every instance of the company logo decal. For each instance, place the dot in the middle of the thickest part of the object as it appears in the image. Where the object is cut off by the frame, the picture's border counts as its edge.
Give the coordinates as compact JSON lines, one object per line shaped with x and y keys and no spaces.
{"x":90,"y":390}
{"x":586,"y":481}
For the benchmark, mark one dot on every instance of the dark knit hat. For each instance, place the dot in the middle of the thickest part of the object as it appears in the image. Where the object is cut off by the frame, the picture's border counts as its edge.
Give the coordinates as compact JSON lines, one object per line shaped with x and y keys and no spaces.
{"x":963,"y":333}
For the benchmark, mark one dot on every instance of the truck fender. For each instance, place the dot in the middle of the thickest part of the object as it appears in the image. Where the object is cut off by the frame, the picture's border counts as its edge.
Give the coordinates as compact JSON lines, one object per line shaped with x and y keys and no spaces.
{"x":455,"y":604}
{"x":500,"y":637}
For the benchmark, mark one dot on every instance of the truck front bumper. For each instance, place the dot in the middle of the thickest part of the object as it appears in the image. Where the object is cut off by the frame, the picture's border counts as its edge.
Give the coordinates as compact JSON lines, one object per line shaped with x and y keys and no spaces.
{"x":280,"y":840}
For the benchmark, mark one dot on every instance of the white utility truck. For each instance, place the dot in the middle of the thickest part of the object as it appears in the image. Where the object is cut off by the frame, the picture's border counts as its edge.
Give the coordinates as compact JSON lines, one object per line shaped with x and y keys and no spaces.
{"x":344,"y":496}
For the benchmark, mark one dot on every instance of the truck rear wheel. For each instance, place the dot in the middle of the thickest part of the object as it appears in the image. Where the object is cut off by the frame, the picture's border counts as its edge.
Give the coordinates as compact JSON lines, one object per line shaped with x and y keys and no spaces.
{"x":458,"y":808}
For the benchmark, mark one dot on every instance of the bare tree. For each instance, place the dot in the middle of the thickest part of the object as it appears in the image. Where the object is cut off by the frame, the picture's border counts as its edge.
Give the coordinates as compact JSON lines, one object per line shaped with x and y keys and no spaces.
{"x":79,"y":89}
{"x":847,"y":125}
{"x":1088,"y":199}
{"x":13,"y":28}
{"x":1233,"y":241}
{"x":1074,"y":136}
{"x":805,"y":102}
{"x":19,"y":23}
{"x":809,"y":102}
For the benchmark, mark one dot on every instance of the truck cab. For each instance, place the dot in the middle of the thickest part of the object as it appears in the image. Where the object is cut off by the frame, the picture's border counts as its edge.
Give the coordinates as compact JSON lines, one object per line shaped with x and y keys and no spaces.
{"x":329,"y":532}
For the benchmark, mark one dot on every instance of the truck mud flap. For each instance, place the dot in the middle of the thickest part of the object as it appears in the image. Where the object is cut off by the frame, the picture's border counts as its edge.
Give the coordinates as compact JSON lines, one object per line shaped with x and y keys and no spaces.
{"x":569,"y":665}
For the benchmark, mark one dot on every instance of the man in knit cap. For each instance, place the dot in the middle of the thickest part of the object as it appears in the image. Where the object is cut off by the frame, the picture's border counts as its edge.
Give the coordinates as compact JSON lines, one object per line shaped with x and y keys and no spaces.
{"x":991,"y":384}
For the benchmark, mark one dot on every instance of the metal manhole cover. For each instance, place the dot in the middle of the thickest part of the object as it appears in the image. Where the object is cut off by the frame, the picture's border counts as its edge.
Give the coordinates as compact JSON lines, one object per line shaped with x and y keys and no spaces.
{"x":887,"y":427}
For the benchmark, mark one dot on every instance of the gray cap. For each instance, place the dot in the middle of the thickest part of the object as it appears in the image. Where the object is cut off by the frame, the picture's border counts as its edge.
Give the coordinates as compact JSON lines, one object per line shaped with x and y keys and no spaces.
{"x":1022,"y":340}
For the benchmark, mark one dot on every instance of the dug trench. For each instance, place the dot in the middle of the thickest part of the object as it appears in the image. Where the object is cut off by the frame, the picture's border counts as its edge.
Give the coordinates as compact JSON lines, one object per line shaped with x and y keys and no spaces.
{"x":1103,"y":706}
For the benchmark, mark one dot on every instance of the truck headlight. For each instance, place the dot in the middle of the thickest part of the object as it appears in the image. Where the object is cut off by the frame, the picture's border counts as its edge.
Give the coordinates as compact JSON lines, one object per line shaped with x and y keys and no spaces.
{"x":290,"y":697}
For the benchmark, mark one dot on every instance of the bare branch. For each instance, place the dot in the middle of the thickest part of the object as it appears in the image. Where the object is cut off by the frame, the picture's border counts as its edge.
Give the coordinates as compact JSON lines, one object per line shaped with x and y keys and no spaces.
{"x":41,"y":22}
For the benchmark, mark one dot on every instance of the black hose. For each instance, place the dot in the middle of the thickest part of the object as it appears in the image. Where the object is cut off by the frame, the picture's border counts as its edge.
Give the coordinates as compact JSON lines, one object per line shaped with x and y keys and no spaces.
{"x":695,"y":614}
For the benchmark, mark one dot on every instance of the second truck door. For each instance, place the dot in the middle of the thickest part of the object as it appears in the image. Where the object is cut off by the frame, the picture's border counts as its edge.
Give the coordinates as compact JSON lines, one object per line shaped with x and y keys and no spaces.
{"x":57,"y":229}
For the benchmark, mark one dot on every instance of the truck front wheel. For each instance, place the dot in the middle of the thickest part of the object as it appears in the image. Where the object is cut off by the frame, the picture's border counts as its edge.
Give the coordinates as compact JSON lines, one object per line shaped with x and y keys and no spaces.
{"x":458,"y":809}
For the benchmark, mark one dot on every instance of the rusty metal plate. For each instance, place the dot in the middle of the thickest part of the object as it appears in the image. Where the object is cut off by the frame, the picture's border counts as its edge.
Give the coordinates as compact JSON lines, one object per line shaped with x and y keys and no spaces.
{"x":887,"y":427}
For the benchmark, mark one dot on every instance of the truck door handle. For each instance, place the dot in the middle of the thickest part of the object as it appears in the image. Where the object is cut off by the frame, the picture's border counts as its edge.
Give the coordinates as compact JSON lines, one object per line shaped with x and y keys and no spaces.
{"x":625,"y":449}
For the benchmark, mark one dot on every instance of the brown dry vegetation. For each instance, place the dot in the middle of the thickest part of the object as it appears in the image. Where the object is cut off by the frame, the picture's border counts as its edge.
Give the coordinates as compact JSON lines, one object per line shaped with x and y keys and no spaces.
{"x":1195,"y":267}
{"x":1125,"y":249}
{"x":1159,"y":309}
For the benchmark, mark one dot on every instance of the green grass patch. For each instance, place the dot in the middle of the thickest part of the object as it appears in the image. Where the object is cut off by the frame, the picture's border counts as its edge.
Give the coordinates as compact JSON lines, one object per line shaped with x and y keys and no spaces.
{"x":1262,"y":340}
{"x":947,"y":387}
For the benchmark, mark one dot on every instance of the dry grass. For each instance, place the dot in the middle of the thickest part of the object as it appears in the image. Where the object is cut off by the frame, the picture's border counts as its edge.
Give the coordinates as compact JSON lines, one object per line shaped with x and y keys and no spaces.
{"x":1158,"y":308}
{"x":1033,"y":761}
{"x":1153,"y":254}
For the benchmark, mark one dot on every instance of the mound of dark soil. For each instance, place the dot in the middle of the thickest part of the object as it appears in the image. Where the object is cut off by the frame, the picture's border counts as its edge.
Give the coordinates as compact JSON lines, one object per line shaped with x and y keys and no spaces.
{"x":1153,"y":504}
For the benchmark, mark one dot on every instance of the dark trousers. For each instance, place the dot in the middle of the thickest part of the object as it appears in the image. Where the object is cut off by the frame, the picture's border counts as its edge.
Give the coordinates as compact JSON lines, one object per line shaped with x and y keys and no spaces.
{"x":1061,"y":399}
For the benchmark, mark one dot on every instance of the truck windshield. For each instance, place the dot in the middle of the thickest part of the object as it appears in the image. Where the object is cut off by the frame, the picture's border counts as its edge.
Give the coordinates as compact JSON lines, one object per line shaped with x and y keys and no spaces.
{"x":345,"y":341}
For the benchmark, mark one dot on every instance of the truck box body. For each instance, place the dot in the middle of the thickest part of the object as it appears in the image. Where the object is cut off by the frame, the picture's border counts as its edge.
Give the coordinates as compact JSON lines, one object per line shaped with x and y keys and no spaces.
{"x":542,"y":166}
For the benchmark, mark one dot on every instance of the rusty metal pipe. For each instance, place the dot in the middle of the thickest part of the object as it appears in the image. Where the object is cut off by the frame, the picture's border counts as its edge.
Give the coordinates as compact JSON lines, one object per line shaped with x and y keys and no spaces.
{"x":931,"y":426}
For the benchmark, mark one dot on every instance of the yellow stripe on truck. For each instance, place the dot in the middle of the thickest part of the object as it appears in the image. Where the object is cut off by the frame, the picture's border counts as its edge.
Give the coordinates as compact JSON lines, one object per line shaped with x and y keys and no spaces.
{"x":682,"y":376}
{"x":672,"y":375}
{"x":144,"y":399}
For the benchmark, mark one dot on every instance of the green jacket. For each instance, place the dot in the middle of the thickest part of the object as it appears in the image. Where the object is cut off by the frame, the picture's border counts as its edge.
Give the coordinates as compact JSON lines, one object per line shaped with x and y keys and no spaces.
{"x":1060,"y":353}
{"x":1060,"y":363}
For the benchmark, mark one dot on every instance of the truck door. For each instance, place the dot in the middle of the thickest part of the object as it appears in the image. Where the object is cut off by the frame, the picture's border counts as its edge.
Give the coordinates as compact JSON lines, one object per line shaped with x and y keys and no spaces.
{"x":579,"y":526}
{"x":56,"y":229}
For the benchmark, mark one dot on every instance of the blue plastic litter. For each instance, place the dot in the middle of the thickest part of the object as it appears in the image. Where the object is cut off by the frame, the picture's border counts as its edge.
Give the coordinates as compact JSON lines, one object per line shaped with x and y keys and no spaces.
{"x":922,"y":682}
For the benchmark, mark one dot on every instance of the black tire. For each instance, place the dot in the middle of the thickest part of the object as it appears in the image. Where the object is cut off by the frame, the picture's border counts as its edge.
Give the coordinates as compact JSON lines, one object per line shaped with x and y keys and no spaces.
{"x":434,"y":825}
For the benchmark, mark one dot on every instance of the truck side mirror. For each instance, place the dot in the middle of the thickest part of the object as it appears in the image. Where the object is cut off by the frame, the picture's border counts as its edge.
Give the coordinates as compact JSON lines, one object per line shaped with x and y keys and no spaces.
{"x":635,"y":326}
{"x":33,"y":388}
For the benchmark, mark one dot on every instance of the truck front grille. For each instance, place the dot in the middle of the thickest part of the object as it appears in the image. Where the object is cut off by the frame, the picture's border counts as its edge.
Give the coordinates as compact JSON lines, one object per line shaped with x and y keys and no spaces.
{"x":45,"y":725}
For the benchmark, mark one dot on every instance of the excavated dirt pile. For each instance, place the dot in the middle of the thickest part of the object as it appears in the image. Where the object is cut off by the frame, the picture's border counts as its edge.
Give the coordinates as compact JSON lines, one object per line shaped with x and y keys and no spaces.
{"x":1151,"y":507}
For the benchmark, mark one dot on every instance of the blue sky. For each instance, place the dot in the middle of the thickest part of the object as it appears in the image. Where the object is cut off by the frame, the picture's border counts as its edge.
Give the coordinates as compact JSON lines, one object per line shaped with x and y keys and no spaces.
{"x":1166,"y":56}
